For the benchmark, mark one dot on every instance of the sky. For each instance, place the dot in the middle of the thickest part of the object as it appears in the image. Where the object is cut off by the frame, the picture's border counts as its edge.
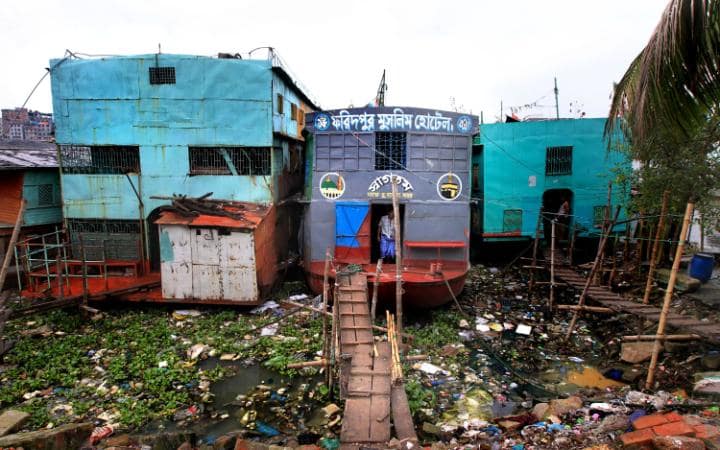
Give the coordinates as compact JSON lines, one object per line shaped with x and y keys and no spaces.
{"x":470,"y":56}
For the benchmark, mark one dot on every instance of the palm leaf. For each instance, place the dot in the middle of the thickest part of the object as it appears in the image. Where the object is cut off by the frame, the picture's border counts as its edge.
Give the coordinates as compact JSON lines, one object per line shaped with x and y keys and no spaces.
{"x":674,"y":83}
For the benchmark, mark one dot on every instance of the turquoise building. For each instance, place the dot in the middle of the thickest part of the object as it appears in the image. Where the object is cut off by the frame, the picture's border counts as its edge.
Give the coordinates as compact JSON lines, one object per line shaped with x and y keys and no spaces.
{"x":519,"y":167}
{"x":135,"y":130}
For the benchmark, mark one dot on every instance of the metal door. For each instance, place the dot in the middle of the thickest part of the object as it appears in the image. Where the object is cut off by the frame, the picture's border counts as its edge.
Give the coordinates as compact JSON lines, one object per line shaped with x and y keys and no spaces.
{"x":352,"y":232}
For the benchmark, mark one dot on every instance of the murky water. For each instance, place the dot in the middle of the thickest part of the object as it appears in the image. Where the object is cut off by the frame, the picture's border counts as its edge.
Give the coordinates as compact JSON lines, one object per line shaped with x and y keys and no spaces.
{"x":245,"y":382}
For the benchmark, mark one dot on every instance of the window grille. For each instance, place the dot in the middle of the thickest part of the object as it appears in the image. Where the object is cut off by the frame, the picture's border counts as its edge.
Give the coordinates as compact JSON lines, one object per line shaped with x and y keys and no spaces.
{"x":558,"y":160}
{"x":391,"y":151}
{"x":512,"y":220}
{"x":599,"y":215}
{"x":46,"y":195}
{"x":162,"y":75}
{"x":111,"y":239}
{"x":218,"y":160}
{"x":110,"y":159}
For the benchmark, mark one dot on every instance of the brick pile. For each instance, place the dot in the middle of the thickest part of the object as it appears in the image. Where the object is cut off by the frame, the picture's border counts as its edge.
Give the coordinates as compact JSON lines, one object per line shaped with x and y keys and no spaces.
{"x":654,"y":432}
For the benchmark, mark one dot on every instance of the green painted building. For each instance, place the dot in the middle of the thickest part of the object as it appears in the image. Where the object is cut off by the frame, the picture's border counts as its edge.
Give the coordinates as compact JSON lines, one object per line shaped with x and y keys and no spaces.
{"x":519,"y":167}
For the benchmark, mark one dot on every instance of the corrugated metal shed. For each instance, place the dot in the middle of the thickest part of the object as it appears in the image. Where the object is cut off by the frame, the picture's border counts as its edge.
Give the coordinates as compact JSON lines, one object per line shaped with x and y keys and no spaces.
{"x":18,"y":155}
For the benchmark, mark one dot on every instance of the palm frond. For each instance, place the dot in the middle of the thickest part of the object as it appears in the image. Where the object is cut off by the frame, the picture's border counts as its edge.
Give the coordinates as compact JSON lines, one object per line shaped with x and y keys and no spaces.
{"x":674,"y":83}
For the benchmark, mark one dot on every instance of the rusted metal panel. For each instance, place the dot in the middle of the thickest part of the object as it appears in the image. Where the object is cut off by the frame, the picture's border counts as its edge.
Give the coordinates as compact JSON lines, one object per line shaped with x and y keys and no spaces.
{"x":11,"y":187}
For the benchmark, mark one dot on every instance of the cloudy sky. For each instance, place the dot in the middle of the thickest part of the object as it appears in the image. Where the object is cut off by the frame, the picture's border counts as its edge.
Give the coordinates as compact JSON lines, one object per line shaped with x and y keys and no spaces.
{"x":469,"y":55}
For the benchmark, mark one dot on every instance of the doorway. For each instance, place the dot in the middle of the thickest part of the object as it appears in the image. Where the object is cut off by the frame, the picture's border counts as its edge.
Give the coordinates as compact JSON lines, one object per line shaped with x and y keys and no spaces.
{"x":552,"y":200}
{"x":377,"y":211}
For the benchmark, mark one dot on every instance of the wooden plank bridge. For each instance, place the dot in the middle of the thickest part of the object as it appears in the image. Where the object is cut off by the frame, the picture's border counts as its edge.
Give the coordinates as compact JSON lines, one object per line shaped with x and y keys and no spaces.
{"x":372,"y":400}
{"x":616,"y":302}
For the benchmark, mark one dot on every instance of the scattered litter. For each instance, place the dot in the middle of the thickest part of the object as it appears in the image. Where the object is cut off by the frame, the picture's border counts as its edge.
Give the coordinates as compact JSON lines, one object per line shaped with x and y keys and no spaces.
{"x":523,"y":329}
{"x":182,"y":314}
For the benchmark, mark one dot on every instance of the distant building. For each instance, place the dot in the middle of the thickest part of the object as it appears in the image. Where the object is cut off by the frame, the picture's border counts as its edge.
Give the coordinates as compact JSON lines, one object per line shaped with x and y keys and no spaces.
{"x":517,"y":168}
{"x":136,"y":130}
{"x":21,"y":124}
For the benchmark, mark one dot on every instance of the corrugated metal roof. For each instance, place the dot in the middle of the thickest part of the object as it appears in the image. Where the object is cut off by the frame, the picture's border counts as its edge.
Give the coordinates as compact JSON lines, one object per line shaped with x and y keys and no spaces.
{"x":252,"y":215}
{"x":16,"y":155}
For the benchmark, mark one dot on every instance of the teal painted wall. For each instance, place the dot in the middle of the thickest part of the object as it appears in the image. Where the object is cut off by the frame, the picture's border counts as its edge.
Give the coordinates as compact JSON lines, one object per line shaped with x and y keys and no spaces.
{"x":48,"y":210}
{"x":214,"y":102}
{"x":515,"y":152}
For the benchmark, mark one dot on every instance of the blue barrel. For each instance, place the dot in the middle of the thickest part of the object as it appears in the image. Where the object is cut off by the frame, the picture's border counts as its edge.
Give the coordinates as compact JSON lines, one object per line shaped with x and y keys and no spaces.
{"x":701,"y":266}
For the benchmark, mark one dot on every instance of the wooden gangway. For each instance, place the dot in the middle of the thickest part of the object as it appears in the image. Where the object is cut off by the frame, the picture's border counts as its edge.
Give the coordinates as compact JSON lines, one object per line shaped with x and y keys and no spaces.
{"x":374,"y":393}
{"x":603,"y":295}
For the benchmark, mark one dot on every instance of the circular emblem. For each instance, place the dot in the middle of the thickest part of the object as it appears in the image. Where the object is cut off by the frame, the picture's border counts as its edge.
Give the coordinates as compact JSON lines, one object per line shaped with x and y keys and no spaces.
{"x":332,"y":185}
{"x":449,"y":186}
{"x":464,"y":123}
{"x":322,"y":122}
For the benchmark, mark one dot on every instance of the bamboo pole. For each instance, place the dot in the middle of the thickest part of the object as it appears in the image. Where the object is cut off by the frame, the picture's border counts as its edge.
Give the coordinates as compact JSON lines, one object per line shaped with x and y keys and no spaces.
{"x":596,"y":309}
{"x":571,"y":251}
{"x":376,"y":286}
{"x":452,"y":294}
{"x":593,"y":270}
{"x":656,"y":246}
{"x":606,"y":229}
{"x":320,"y":362}
{"x":663,"y":337}
{"x":535,"y":249}
{"x":398,"y":257}
{"x":551,"y":299}
{"x":11,"y":245}
{"x":59,"y":280}
{"x":325,"y":293}
{"x":668,"y":294}
{"x":639,"y":241}
{"x":84,"y":273}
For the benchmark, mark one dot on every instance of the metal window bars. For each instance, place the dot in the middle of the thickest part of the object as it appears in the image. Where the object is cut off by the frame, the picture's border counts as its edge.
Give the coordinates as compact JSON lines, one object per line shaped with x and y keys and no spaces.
{"x":391,"y":151}
{"x":162,"y":75}
{"x":106,"y":159}
{"x":558,"y":160}
{"x":230,"y":160}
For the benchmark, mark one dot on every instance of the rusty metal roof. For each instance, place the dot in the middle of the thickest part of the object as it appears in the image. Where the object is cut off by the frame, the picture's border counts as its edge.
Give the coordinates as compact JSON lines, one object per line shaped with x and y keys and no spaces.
{"x":252,"y":215}
{"x":16,"y":155}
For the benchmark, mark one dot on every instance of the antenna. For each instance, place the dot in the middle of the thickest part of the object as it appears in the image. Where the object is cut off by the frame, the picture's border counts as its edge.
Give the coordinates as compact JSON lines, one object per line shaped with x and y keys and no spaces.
{"x":557,"y":108}
{"x":380,"y":97}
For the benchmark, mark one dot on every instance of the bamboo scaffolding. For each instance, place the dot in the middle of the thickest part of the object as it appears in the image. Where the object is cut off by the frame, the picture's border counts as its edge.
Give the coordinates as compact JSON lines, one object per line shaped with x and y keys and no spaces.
{"x":595,"y":266}
{"x":668,"y":295}
{"x":396,"y":367}
{"x":654,"y":258}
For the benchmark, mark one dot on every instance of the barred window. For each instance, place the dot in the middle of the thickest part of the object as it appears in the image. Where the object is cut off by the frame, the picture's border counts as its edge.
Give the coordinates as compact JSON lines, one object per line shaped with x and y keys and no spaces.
{"x":162,"y":75}
{"x":230,"y":160}
{"x":558,"y":160}
{"x":106,"y":159}
{"x":111,"y":239}
{"x":390,"y":151}
{"x":512,"y":220}
{"x":46,"y":195}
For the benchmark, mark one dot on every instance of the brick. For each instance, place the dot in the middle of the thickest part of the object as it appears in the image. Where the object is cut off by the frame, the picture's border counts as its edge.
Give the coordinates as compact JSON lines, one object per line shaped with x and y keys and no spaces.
{"x":649,"y":421}
{"x":706,"y":431}
{"x":638,"y":438}
{"x":674,"y":429}
{"x":673,"y":417}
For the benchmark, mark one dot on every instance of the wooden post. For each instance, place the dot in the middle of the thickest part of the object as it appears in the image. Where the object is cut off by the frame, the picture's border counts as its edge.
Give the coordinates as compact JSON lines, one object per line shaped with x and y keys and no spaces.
{"x":571,"y":251}
{"x":58,"y":272}
{"x":376,"y":286}
{"x":606,"y":230}
{"x":11,"y":245}
{"x":326,"y":275}
{"x":656,"y":245}
{"x":648,"y":248}
{"x":551,"y":300}
{"x":535,"y":250}
{"x":638,"y":243}
{"x":614,"y":262}
{"x":668,"y":295}
{"x":595,"y":266}
{"x":398,"y":258}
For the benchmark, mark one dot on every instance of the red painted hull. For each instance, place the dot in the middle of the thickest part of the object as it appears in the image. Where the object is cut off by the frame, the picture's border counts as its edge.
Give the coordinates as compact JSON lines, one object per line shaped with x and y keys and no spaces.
{"x":422,"y":289}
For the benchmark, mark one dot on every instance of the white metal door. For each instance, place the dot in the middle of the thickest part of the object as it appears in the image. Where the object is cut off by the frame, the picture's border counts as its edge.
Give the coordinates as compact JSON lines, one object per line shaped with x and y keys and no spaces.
{"x":205,"y":248}
{"x":177,"y":280}
{"x":238,"y":271}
